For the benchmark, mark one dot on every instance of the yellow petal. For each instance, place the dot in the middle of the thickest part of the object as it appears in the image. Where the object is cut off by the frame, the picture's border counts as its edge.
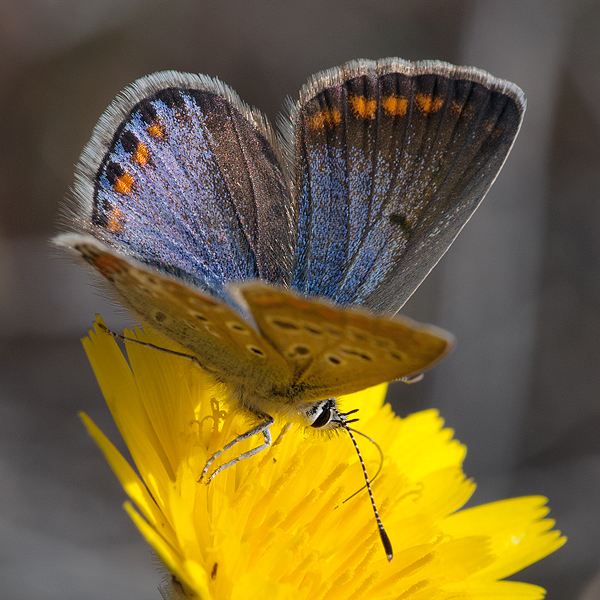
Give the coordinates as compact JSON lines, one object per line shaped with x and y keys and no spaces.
{"x":518,"y":534}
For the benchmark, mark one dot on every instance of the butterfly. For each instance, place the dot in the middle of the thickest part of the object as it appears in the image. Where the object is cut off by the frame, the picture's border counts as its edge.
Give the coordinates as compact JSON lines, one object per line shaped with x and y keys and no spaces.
{"x":278,"y":258}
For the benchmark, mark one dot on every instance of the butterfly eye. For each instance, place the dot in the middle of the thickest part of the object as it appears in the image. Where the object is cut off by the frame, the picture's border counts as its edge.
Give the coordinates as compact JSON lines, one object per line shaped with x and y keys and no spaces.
{"x":323,"y":418}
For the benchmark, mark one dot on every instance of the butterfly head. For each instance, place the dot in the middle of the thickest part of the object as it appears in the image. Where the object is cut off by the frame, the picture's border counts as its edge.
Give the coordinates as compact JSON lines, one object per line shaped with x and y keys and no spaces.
{"x":323,"y":415}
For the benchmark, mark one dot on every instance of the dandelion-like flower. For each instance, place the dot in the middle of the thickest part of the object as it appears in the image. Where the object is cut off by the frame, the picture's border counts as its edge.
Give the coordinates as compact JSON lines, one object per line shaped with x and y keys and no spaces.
{"x":280,"y":524}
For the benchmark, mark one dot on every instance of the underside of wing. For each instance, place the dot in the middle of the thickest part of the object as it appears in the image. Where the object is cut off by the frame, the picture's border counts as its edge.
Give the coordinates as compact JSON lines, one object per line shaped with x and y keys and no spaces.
{"x":392,"y":158}
{"x":331,"y":350}
{"x":223,"y":341}
{"x":180,"y":174}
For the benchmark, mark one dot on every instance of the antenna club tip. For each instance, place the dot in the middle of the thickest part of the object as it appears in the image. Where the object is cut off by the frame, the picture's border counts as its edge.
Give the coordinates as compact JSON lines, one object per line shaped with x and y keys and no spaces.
{"x":387,"y":545}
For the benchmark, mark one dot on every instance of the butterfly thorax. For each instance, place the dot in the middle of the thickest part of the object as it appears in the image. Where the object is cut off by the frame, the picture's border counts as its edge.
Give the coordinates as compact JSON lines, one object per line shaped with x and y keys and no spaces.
{"x":300,"y":408}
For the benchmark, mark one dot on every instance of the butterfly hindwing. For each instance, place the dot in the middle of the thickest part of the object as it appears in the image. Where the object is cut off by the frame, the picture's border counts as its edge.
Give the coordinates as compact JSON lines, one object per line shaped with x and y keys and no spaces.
{"x":392,"y":158}
{"x":223,"y":341}
{"x":188,"y":180}
{"x":331,"y":350}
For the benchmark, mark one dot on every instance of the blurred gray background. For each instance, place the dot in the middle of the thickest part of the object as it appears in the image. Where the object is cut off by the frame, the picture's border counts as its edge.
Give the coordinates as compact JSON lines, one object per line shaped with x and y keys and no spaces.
{"x":520,"y":288}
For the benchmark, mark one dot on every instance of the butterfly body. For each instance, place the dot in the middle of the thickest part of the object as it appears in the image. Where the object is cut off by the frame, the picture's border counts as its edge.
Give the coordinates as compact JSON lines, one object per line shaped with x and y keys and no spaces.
{"x":279,"y":259}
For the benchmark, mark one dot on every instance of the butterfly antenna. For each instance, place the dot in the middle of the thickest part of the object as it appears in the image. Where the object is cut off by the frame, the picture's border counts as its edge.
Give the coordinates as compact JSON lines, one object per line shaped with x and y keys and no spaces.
{"x":380,"y":459}
{"x":385,"y":540}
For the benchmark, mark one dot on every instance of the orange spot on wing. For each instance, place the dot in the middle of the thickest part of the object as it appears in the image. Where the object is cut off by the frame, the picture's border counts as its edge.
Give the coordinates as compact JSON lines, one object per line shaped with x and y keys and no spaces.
{"x":275,"y":299}
{"x":494,"y":130}
{"x":327,"y":313}
{"x":428,"y":103}
{"x":362,"y":107}
{"x":107,"y":265}
{"x":115,"y":220}
{"x":357,"y":321}
{"x":156,"y":130}
{"x":298,"y":303}
{"x":329,"y":117}
{"x":266,"y":300}
{"x":123,"y":184}
{"x":465,"y":110}
{"x":183,"y":294}
{"x":141,"y":154}
{"x":395,"y":105}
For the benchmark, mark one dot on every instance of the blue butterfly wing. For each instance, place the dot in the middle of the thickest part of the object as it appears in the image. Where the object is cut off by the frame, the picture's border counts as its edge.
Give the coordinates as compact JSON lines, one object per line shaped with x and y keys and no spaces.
{"x":392,"y":158}
{"x":188,"y":180}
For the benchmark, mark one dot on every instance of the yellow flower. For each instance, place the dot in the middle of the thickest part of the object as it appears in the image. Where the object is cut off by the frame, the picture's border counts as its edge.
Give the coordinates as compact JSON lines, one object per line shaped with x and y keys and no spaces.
{"x":277,"y":525}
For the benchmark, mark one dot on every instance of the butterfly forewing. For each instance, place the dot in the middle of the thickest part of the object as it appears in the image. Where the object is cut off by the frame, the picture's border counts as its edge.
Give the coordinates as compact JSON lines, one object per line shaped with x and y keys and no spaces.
{"x":392,"y":158}
{"x":190,"y":183}
{"x":332,"y":350}
{"x":224,"y":342}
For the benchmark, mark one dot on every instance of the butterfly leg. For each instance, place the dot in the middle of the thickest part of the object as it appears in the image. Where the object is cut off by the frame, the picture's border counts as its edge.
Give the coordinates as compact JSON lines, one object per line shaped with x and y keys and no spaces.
{"x":262,"y":427}
{"x":128,"y":340}
{"x":412,"y":379}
